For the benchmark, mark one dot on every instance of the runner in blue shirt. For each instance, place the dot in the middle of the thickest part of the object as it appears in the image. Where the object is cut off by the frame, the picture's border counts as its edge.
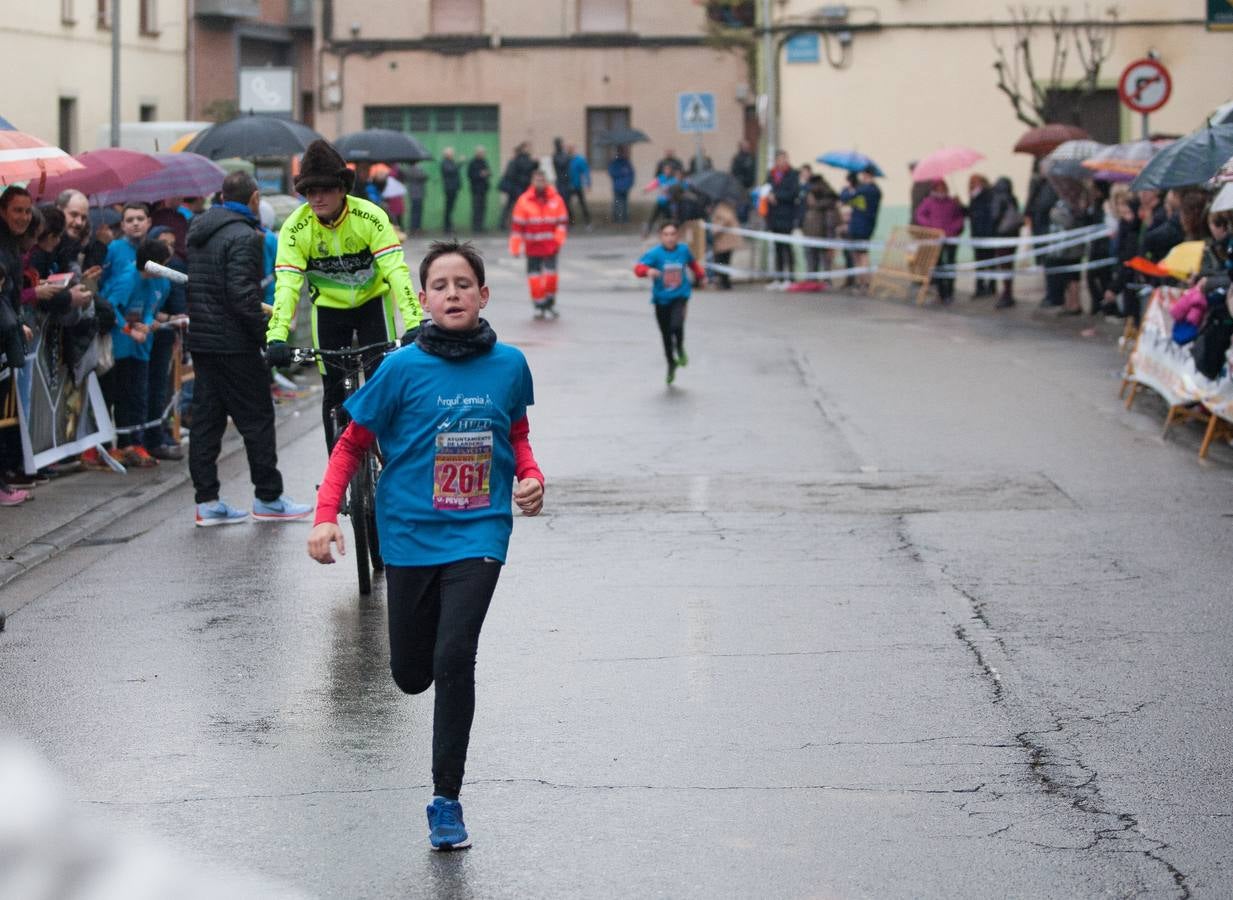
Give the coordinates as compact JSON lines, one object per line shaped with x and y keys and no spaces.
{"x":450,"y":412}
{"x":670,"y":290}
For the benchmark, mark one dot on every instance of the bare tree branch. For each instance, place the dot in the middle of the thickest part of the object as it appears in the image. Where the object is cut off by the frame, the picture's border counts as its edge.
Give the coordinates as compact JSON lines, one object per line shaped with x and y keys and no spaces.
{"x":1092,"y":41}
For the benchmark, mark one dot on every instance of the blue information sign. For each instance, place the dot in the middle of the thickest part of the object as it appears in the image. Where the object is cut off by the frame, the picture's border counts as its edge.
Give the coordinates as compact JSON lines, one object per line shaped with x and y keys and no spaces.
{"x":803,"y":48}
{"x":695,"y":111}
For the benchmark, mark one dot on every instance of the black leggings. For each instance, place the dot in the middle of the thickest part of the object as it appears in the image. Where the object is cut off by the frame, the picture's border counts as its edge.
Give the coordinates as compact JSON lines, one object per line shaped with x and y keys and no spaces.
{"x":671,"y":319}
{"x":436,"y":613}
{"x":333,"y":329}
{"x":785,"y":263}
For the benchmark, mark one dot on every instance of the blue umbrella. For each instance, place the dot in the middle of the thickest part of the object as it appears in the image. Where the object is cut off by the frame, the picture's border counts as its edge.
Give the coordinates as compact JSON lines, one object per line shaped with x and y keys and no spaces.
{"x":1192,"y":160}
{"x":852,"y":161}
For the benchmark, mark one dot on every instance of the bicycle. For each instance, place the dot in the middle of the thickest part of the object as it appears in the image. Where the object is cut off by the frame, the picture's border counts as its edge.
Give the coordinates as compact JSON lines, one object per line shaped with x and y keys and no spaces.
{"x":360,"y":504}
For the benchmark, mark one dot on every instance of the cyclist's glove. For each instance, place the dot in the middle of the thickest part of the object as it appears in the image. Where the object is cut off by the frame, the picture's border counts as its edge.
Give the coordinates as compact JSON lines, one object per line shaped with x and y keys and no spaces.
{"x":409,"y":335}
{"x":278,"y":354}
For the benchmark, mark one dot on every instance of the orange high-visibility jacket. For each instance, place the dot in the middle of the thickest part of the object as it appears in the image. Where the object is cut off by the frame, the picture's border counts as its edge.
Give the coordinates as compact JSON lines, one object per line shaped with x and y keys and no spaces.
{"x":538,"y":223}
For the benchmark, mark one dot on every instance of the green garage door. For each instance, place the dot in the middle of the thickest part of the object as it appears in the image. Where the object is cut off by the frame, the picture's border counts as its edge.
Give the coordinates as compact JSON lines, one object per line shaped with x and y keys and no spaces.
{"x":437,"y":127}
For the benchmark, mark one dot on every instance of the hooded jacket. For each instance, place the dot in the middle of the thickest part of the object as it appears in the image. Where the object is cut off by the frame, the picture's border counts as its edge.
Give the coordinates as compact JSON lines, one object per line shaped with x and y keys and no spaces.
{"x":225,"y":264}
{"x":942,"y":212}
{"x":539,"y":222}
{"x":1002,"y":203}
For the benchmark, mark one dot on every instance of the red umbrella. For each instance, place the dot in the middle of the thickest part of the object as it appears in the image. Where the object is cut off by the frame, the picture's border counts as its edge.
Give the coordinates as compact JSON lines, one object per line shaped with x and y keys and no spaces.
{"x":103,"y":170}
{"x":23,"y":156}
{"x":1047,"y":138}
{"x":946,"y":161}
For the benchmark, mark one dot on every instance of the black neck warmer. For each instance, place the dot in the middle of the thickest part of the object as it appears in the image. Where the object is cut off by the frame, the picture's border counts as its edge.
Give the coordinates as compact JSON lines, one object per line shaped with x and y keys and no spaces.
{"x":431,"y":338}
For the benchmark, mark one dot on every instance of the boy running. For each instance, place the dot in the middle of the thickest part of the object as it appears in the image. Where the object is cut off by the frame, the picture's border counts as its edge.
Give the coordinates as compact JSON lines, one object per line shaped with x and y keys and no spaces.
{"x":450,"y":414}
{"x":670,"y":290}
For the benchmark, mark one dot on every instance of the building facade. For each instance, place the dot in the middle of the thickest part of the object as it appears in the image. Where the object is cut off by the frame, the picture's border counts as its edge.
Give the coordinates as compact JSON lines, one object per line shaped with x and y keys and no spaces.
{"x":897,"y":79}
{"x":251,"y":56}
{"x":467,"y":73}
{"x":63,"y":50}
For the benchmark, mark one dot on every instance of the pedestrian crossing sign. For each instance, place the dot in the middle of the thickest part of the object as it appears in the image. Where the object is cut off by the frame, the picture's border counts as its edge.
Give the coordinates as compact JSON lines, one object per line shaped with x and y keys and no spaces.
{"x":695,"y":111}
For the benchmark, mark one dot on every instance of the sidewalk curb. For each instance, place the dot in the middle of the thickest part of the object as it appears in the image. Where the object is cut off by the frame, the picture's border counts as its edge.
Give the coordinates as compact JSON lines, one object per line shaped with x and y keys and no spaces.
{"x":49,"y":545}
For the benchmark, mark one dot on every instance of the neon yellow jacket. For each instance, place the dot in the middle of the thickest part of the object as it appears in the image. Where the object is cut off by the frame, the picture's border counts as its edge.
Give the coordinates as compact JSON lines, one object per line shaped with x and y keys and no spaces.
{"x":347,"y":264}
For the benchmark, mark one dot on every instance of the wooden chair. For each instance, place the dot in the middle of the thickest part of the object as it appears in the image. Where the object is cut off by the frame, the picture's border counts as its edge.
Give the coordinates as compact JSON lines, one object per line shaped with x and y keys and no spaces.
{"x":910,"y":255}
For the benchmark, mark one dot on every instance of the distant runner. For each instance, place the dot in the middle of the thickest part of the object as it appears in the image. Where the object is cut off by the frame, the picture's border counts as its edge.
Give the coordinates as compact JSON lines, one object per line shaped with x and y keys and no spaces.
{"x":667,"y":263}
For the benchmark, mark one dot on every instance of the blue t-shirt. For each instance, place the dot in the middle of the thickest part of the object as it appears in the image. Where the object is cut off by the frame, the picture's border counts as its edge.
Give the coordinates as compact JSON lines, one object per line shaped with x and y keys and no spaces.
{"x":443,"y":426}
{"x":148,"y":298}
{"x":673,"y":280}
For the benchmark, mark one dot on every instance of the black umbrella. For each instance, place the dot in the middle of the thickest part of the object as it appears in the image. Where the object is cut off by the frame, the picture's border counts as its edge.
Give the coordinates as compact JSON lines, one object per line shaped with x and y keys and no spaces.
{"x":253,"y":137}
{"x":381,"y":145}
{"x":716,"y":185}
{"x":1192,"y":160}
{"x":621,"y":136}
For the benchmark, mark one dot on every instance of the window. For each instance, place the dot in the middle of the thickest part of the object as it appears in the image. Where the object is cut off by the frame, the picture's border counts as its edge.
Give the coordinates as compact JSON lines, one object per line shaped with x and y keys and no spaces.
{"x":148,"y":112}
{"x":457,"y":17}
{"x":68,"y":124}
{"x":601,"y":119}
{"x":731,"y":13}
{"x":434,"y":119}
{"x":1098,"y":112}
{"x":603,"y":15}
{"x":149,"y":17}
{"x":103,"y":17}
{"x":478,"y":118}
{"x":68,"y":15}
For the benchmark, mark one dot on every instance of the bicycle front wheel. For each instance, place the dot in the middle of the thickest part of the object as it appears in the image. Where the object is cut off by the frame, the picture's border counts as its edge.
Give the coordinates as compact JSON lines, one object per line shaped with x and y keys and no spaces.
{"x":373,"y":469}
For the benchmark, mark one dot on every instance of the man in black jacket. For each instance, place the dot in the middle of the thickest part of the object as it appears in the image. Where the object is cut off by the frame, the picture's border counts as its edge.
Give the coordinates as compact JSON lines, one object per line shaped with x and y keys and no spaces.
{"x":479,"y":175}
{"x":451,"y":183}
{"x":226,"y":336}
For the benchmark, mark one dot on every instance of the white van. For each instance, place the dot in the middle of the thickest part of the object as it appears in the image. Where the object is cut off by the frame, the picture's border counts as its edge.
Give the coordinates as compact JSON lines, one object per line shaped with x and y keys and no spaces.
{"x":149,"y":137}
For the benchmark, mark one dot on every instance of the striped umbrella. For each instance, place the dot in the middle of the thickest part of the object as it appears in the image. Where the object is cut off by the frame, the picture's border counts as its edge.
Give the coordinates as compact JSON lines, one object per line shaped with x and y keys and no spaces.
{"x":182,"y":175}
{"x":1122,"y":162}
{"x":23,"y":157}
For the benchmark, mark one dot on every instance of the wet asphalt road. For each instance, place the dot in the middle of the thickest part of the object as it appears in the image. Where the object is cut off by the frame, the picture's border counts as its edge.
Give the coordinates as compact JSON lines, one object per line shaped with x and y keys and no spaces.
{"x":876,"y":602}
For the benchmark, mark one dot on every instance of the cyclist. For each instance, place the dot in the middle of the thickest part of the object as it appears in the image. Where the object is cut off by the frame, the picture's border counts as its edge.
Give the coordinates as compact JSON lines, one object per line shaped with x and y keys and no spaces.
{"x":349,"y":253}
{"x":450,"y":415}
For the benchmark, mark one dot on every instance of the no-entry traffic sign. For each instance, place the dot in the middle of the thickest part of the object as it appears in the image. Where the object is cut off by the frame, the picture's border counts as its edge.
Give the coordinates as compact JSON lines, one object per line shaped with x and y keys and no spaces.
{"x":1145,"y":86}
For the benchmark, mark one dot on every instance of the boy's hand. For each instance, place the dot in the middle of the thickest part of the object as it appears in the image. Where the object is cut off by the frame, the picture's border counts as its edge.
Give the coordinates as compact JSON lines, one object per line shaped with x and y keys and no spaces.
{"x":653,"y":273}
{"x":320,"y":538}
{"x":529,"y":495}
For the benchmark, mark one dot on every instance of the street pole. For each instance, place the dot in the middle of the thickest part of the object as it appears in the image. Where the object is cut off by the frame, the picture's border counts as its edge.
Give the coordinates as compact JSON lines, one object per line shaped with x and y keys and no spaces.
{"x":1147,"y":134}
{"x":115,"y":72}
{"x":770,"y":78}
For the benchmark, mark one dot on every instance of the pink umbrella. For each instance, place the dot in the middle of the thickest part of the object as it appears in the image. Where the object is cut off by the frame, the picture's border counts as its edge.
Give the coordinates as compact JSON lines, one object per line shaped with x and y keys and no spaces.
{"x":946,"y":161}
{"x":102,"y":170}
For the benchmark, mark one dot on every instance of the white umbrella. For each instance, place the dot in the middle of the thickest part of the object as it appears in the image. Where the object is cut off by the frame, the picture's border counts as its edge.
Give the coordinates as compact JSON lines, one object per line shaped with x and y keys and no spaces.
{"x":1224,"y":199}
{"x":393,"y":188}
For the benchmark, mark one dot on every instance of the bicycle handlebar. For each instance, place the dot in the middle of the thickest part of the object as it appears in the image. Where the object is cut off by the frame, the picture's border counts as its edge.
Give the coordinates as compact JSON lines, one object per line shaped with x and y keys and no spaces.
{"x":312,"y":354}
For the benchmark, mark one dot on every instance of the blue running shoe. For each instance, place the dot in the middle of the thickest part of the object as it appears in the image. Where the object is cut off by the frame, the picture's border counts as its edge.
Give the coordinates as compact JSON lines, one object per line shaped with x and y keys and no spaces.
{"x":284,"y":509}
{"x":446,"y":830}
{"x":219,"y":512}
